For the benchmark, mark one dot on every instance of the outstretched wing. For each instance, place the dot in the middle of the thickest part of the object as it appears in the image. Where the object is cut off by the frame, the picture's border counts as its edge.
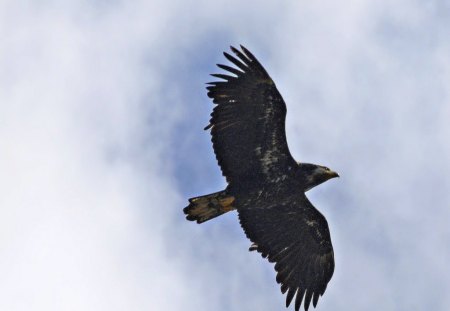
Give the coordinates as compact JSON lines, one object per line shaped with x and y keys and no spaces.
{"x":248,"y":123}
{"x":295,"y":236}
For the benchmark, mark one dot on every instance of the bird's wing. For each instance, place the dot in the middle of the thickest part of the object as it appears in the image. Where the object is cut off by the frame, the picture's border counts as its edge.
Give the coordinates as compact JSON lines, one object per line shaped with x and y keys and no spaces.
{"x":294,"y":235}
{"x":248,"y":123}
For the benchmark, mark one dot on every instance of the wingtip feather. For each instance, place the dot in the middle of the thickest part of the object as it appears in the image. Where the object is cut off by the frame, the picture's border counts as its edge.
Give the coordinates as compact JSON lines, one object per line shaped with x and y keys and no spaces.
{"x":308,"y":296}
{"x":289,"y":296}
{"x":316,"y":298}
{"x":299,"y":298}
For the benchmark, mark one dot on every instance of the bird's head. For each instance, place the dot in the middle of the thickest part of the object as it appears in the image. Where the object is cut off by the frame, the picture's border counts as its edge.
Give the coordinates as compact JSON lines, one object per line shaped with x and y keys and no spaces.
{"x":313,"y":175}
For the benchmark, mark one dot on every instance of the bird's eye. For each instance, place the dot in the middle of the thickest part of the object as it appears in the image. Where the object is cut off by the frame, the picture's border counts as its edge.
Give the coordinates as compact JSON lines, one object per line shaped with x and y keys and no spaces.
{"x":327,"y":169}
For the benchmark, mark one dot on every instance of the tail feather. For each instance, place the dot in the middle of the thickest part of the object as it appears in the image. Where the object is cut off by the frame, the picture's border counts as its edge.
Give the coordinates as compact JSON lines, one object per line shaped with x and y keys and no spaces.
{"x":209,"y":206}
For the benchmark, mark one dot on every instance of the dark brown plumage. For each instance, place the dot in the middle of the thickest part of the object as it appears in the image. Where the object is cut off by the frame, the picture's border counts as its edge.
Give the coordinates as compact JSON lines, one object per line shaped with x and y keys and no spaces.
{"x":265,"y":184}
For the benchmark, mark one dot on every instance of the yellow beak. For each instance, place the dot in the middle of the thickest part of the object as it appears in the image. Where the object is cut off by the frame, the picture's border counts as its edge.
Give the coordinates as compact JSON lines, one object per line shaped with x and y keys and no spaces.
{"x":333,"y":174}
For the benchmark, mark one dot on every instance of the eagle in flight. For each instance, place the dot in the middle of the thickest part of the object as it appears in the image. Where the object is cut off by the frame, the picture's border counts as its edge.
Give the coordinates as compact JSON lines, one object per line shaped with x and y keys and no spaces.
{"x":265,"y":184}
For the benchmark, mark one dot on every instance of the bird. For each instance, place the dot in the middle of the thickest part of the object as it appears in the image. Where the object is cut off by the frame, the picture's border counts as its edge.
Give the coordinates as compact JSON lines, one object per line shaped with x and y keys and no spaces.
{"x":265,"y":184}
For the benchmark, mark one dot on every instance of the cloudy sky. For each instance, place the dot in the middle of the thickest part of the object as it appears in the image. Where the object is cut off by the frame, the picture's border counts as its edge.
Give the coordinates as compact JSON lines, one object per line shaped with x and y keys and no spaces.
{"x":102,"y":105}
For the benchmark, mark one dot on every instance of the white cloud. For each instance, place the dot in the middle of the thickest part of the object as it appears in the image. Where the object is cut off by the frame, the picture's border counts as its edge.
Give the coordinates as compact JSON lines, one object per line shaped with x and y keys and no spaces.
{"x":74,"y":192}
{"x":101,"y":109}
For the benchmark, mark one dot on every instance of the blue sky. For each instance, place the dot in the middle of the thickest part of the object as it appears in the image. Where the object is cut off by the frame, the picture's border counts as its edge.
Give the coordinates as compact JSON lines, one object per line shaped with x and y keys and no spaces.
{"x":102,"y":106}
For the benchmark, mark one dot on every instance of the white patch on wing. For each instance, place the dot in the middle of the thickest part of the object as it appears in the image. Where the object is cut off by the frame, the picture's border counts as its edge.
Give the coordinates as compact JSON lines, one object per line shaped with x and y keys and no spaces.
{"x":281,"y":178}
{"x":327,"y":259}
{"x":318,"y":233}
{"x":272,"y":154}
{"x":268,"y":159}
{"x":311,"y":223}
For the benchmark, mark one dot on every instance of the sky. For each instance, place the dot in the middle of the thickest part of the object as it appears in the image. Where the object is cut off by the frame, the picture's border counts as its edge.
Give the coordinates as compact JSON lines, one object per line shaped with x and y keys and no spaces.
{"x":102,"y":105}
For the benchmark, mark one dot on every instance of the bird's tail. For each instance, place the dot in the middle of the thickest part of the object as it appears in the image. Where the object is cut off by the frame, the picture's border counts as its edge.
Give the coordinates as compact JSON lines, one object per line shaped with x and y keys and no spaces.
{"x":209,"y":206}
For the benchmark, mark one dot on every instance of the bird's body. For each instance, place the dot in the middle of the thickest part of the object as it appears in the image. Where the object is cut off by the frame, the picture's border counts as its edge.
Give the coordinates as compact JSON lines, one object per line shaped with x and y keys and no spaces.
{"x":265,"y":184}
